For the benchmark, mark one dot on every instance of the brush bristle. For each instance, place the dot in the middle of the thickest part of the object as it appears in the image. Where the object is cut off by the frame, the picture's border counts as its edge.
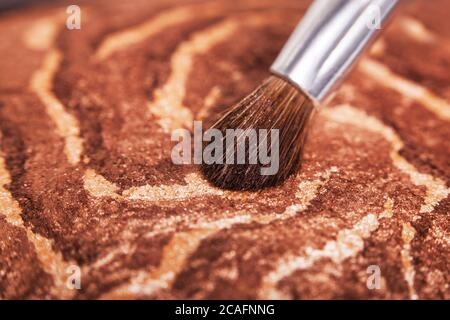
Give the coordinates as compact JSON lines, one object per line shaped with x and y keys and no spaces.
{"x":275,"y":104}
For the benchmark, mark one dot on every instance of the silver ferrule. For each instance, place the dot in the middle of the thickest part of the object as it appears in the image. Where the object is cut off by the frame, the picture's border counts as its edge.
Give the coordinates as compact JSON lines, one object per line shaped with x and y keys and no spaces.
{"x":327,"y":42}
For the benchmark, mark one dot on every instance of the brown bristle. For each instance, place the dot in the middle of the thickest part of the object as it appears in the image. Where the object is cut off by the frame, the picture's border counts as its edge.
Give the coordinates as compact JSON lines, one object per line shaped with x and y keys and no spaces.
{"x":275,"y":104}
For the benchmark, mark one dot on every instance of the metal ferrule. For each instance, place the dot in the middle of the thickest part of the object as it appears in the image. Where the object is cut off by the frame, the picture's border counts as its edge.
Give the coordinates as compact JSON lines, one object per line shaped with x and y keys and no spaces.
{"x":327,"y":42}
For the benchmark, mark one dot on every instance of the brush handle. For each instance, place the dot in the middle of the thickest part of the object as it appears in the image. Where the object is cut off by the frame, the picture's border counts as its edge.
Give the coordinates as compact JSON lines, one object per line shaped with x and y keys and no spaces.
{"x":327,"y":42}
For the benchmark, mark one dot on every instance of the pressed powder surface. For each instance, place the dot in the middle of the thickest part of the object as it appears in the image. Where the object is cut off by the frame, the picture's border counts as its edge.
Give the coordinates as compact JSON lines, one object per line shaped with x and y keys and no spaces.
{"x":86,"y":177}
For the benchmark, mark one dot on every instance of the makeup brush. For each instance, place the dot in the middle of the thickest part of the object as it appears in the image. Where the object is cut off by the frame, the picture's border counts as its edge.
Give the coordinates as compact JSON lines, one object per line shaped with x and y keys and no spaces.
{"x":317,"y":56}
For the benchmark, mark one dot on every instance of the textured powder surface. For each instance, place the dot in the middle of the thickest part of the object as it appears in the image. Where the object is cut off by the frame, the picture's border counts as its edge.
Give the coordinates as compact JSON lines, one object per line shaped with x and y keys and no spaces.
{"x":86,"y":178}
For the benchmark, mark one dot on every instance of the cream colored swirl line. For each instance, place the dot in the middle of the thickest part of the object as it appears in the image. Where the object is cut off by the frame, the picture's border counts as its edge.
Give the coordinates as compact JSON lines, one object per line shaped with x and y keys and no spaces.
{"x":67,"y":126}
